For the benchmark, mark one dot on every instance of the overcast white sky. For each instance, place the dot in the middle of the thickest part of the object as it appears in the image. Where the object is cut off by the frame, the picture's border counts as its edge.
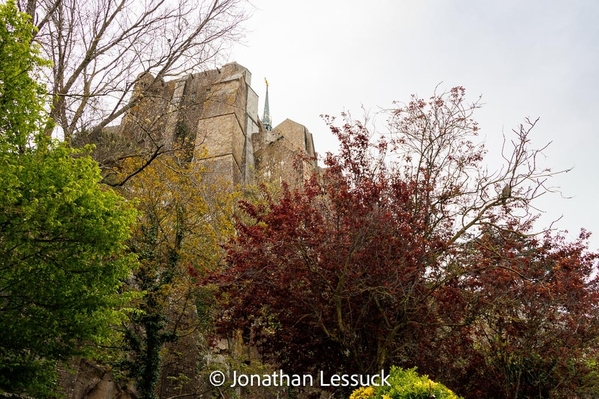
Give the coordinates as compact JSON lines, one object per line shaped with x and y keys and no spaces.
{"x":526,"y":58}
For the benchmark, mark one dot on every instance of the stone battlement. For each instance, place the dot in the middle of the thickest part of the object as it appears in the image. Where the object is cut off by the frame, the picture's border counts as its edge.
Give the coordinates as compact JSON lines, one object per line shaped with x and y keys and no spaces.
{"x":216,"y":113}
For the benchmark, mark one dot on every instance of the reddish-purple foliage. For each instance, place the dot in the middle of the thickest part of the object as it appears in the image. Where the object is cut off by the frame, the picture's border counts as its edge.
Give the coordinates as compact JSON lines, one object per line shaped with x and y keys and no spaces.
{"x":403,"y":253}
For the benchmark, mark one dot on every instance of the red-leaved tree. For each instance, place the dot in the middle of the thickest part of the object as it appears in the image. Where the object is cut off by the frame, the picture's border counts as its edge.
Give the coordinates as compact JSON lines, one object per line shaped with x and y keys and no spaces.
{"x":522,"y":322}
{"x":402,"y":252}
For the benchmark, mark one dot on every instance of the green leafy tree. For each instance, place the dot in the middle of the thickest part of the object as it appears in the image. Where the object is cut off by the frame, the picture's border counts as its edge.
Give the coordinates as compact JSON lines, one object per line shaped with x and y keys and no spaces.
{"x":182,"y":222}
{"x":61,"y":234}
{"x":21,"y":99}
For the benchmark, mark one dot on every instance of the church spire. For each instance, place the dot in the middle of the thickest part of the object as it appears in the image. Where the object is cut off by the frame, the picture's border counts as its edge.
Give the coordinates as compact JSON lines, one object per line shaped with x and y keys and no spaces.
{"x":266,"y":118}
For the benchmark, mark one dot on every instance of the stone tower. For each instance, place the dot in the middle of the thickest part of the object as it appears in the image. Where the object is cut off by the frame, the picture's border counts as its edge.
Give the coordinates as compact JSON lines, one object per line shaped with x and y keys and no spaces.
{"x":216,"y":113}
{"x":213,"y":117}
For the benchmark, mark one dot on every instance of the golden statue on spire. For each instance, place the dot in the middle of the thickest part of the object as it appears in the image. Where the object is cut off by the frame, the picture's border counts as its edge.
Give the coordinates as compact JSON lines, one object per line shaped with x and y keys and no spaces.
{"x":266,"y":118}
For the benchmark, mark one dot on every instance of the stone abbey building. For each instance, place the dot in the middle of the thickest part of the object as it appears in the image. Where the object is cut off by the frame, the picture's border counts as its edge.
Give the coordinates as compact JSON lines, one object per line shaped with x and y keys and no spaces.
{"x":211,"y":118}
{"x":215,"y":114}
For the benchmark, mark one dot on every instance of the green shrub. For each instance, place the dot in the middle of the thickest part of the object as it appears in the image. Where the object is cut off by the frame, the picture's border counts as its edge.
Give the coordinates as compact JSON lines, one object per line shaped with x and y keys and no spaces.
{"x":405,"y":384}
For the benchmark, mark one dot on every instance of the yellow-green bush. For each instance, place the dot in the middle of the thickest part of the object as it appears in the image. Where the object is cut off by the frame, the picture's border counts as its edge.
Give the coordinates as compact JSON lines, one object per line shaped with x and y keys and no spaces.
{"x":405,"y":384}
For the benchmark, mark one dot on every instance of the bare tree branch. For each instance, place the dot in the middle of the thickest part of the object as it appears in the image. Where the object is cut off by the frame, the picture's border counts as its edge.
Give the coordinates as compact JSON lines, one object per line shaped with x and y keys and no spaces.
{"x":100,"y":49}
{"x":434,"y":140}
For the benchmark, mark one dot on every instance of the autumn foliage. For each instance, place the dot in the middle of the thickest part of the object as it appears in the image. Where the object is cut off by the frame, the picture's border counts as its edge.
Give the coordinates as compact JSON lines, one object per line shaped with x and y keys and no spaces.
{"x":406,"y":251}
{"x":182,"y":220}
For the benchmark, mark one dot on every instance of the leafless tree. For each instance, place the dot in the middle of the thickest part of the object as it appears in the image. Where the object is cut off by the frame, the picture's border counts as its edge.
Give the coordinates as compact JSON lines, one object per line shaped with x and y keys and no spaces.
{"x":101,"y":48}
{"x":434,"y":138}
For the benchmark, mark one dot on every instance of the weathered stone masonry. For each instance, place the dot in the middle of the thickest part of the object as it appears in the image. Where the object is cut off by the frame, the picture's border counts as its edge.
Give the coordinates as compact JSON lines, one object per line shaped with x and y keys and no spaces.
{"x":217,"y":111}
{"x":214,"y":114}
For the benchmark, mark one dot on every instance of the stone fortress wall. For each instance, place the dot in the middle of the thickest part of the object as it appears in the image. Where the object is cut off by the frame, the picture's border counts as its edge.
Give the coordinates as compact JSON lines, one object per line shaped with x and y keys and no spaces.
{"x":215,"y":115}
{"x":217,"y":111}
